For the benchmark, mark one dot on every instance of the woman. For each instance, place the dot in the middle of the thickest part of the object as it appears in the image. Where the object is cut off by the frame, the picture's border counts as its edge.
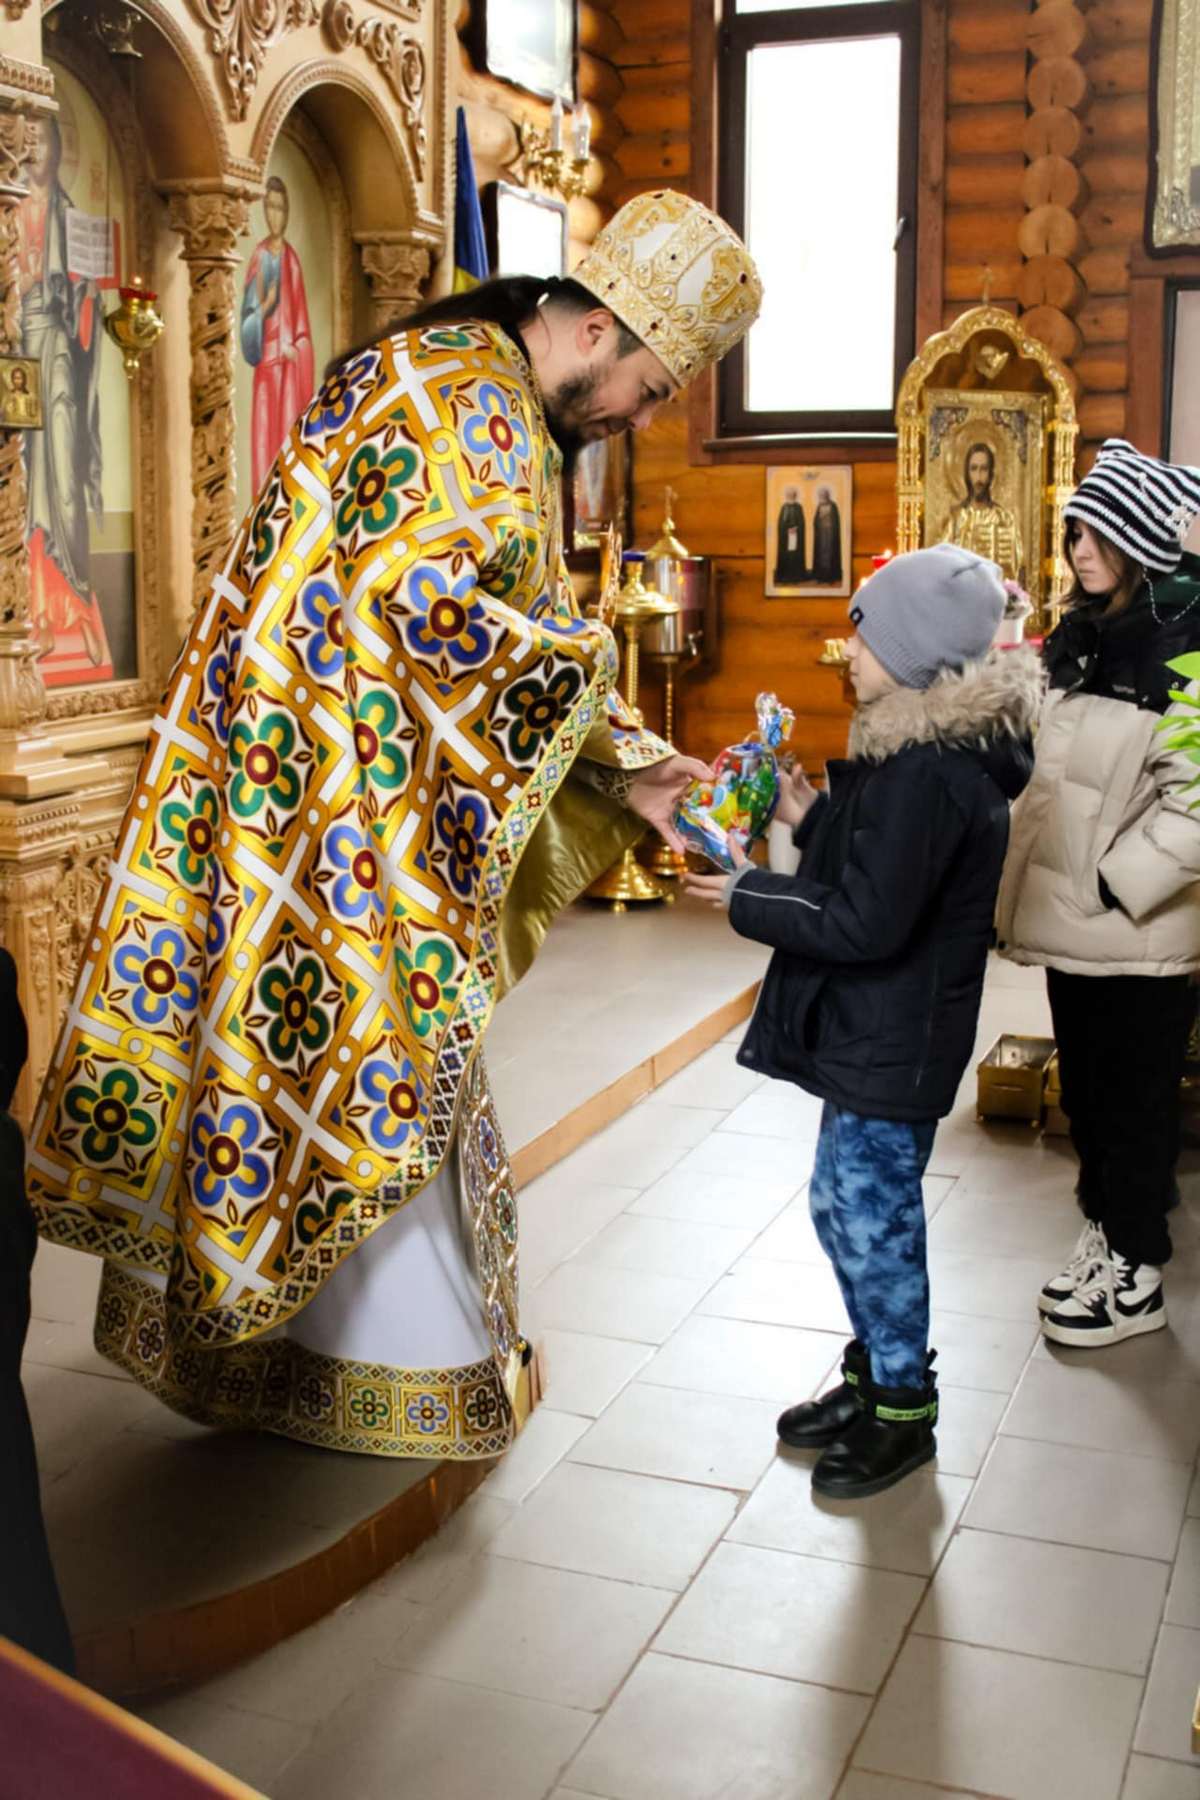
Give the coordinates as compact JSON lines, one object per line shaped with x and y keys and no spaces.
{"x":1102,"y":882}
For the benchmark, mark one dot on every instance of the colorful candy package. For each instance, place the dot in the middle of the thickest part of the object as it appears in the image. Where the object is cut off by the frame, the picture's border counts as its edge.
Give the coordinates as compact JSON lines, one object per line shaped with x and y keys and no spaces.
{"x":743,"y":793}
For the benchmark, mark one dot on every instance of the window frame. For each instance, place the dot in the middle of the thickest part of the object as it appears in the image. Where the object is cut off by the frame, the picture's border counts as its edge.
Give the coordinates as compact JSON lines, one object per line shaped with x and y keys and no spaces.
{"x":732,"y":422}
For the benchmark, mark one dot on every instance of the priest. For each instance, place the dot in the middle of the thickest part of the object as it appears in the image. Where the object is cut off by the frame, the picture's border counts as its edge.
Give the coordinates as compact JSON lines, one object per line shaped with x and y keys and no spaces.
{"x":390,"y":753}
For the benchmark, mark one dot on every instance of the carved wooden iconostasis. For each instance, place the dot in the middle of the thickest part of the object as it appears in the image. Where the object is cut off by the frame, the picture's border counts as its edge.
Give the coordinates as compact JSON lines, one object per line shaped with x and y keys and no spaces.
{"x":279,"y":173}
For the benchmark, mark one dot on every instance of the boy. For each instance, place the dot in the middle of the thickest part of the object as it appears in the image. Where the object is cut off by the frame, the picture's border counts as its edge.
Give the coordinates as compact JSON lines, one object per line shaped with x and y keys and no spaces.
{"x":872,"y":996}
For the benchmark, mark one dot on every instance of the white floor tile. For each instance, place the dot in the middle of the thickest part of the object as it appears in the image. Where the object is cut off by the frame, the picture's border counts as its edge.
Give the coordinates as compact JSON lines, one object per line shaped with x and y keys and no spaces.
{"x":797,"y":1616}
{"x":736,"y":1356}
{"x":774,"y":1293}
{"x":708,"y":1438}
{"x":778,"y":1110}
{"x":627,"y":1527}
{"x":667,"y":1247}
{"x":583,"y":1373}
{"x":692,"y":1731}
{"x":249,"y":1745}
{"x":1089,"y":1404}
{"x":981,"y":1352}
{"x":617,"y":1303}
{"x":1165,"y":1727}
{"x":1001,"y":1725}
{"x":424,"y":1576}
{"x":717,"y":1198}
{"x":1132,"y":1505}
{"x":904,"y":1529}
{"x":1149,"y":1778}
{"x":410,"y":1734}
{"x":1052,"y":1600}
{"x":1183,"y":1601}
{"x":558,"y":1217}
{"x":640,"y":1146}
{"x":544,"y":1441}
{"x":715,"y":1080}
{"x":772,"y":1161}
{"x":996,"y":1287}
{"x":978,"y":1224}
{"x":860,"y":1786}
{"x":548,"y":1634}
{"x":792,"y":1237}
{"x":968,"y":1419}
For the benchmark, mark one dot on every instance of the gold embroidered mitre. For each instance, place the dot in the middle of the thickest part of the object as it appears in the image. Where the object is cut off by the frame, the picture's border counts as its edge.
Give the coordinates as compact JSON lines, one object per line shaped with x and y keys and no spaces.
{"x":676,"y":274}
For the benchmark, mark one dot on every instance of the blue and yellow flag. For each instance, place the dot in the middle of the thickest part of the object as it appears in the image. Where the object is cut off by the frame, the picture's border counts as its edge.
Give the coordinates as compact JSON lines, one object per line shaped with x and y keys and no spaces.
{"x":470,"y":246}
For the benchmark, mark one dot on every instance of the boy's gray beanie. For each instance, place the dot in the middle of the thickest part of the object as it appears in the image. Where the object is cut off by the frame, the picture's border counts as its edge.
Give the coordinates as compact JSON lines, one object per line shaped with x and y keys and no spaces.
{"x":929,"y":610}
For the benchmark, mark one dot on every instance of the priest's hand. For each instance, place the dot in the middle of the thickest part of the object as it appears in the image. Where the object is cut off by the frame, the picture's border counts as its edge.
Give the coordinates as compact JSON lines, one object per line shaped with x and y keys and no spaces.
{"x":655,"y":792}
{"x":716,"y":888}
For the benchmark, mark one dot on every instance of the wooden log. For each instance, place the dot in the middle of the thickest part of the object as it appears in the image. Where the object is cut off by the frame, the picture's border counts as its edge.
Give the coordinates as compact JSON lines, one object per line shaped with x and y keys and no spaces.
{"x":1050,"y":231}
{"x":984,"y":130}
{"x":1051,"y":281}
{"x":1106,"y":271}
{"x":599,"y":32}
{"x":1053,"y":181}
{"x":1101,"y":415}
{"x":1103,"y":368}
{"x":1118,"y":172}
{"x":1104,"y":320}
{"x":599,"y":83}
{"x":973,"y":235}
{"x":985,"y":80}
{"x":1057,"y":81}
{"x":985,"y":27}
{"x":1056,"y":29}
{"x":668,"y":153}
{"x":665,"y":52}
{"x":1054,"y":131}
{"x":1113,"y":219}
{"x":1119,"y":21}
{"x":1116,"y":122}
{"x":646,"y":114}
{"x":985,"y":181}
{"x":641,"y":20}
{"x":1060,"y":334}
{"x":1121,"y":69}
{"x":965,"y":280}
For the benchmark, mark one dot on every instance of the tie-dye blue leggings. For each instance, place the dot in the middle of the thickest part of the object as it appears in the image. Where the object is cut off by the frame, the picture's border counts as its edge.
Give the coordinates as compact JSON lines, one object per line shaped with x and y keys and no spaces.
{"x":865,"y":1196}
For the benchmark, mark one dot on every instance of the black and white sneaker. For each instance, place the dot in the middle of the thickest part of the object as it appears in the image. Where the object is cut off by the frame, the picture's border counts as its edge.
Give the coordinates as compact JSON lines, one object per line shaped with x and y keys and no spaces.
{"x":1091,"y":1248}
{"x":1116,"y":1300}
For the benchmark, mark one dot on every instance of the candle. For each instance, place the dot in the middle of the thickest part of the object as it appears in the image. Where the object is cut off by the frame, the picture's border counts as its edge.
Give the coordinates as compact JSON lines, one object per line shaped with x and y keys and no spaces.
{"x":556,"y":124}
{"x":583,"y":132}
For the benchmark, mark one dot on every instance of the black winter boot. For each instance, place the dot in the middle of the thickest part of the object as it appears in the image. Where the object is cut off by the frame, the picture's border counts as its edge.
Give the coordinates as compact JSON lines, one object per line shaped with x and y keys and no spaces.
{"x":817,"y":1422}
{"x":892,"y":1436}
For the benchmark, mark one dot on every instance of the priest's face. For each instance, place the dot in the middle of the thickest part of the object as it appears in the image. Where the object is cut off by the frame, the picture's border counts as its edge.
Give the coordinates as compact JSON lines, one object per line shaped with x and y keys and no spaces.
{"x":602,"y":391}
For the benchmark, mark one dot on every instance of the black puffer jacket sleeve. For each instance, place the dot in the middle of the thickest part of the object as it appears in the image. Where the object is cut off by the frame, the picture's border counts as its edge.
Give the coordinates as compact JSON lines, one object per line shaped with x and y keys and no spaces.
{"x":909,"y":827}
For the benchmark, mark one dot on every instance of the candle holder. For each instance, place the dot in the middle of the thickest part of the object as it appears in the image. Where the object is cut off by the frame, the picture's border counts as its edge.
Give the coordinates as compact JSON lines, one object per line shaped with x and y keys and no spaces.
{"x":544,"y":159}
{"x":627,"y":882}
{"x":134,"y":326}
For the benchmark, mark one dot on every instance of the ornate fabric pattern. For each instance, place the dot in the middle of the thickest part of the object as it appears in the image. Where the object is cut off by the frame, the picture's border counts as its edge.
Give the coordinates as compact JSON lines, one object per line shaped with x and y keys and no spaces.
{"x":277,"y":1384}
{"x":295,"y":953}
{"x":678,"y":277}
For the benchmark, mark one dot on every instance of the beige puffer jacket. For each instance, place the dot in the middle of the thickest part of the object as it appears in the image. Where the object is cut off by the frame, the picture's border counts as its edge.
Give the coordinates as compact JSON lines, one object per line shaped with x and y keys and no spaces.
{"x":1107,"y":799}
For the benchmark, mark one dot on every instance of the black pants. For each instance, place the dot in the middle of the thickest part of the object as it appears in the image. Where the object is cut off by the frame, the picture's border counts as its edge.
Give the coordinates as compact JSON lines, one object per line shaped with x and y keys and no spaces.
{"x":1121,"y":1042}
{"x":31,"y":1611}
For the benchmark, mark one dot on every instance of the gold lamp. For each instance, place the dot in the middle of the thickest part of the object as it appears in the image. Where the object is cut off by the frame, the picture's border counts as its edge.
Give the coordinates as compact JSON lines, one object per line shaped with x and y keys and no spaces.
{"x":636,"y":606}
{"x":134,"y":326}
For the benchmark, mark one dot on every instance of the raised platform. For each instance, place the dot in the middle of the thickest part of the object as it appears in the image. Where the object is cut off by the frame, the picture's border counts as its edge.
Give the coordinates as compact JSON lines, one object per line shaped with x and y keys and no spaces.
{"x":181,"y":1551}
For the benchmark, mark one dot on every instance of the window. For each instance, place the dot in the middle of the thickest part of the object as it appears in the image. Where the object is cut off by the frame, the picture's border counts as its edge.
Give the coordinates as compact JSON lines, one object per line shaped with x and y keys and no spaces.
{"x":818,"y":128}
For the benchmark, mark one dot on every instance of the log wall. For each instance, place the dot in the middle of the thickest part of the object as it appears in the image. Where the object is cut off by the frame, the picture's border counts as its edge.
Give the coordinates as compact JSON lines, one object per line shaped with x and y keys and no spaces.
{"x":1046,"y":164}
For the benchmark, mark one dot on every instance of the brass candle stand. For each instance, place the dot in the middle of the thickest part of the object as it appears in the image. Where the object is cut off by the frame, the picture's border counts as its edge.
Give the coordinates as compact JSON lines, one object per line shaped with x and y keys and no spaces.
{"x":627,"y":882}
{"x":676,"y":650}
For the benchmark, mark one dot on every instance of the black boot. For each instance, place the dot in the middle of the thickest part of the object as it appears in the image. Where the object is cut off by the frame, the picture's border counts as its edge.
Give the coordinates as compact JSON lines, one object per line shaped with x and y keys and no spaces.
{"x":892,"y":1436}
{"x":817,"y":1422}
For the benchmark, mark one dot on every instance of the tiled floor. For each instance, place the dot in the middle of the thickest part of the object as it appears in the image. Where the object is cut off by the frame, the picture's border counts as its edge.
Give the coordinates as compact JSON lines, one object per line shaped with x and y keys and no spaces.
{"x":645,"y":1602}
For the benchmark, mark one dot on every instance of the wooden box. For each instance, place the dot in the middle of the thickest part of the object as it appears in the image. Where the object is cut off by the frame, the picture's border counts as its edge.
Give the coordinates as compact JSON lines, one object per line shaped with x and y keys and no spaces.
{"x":1012,"y":1078}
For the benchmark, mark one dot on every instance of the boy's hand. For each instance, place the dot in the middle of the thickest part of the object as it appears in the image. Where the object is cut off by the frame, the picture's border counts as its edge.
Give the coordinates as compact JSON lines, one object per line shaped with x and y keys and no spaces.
{"x":715,"y":888}
{"x":796,"y":795}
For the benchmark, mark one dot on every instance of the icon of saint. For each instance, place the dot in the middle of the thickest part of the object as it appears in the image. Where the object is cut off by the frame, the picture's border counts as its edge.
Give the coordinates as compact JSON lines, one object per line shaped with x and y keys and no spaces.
{"x":276,"y":338}
{"x":980,"y":523}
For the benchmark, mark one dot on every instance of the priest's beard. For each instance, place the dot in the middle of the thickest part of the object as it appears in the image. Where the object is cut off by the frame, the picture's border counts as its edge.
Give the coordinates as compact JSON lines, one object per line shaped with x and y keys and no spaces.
{"x":566,"y":410}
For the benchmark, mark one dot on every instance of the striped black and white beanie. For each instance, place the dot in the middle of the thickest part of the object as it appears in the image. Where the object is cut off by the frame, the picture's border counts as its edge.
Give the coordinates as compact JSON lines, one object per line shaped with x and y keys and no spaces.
{"x":1143,"y":506}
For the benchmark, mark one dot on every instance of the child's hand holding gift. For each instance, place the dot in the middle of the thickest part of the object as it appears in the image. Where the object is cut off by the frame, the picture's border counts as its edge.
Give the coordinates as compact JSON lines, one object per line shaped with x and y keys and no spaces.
{"x":796,"y":795}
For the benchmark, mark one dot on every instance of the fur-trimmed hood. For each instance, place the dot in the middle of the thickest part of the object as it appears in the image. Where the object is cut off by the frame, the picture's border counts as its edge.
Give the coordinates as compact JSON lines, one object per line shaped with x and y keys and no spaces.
{"x":989,"y":707}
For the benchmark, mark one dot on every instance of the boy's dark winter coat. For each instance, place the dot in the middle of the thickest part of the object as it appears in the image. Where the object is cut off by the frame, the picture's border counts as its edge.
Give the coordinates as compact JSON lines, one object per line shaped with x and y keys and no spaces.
{"x":872,"y":996}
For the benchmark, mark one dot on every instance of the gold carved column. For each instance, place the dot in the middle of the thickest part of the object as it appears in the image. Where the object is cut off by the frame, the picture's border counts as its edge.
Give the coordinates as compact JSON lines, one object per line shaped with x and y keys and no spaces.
{"x":396,"y":266}
{"x":25,"y":96}
{"x":210,"y":222}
